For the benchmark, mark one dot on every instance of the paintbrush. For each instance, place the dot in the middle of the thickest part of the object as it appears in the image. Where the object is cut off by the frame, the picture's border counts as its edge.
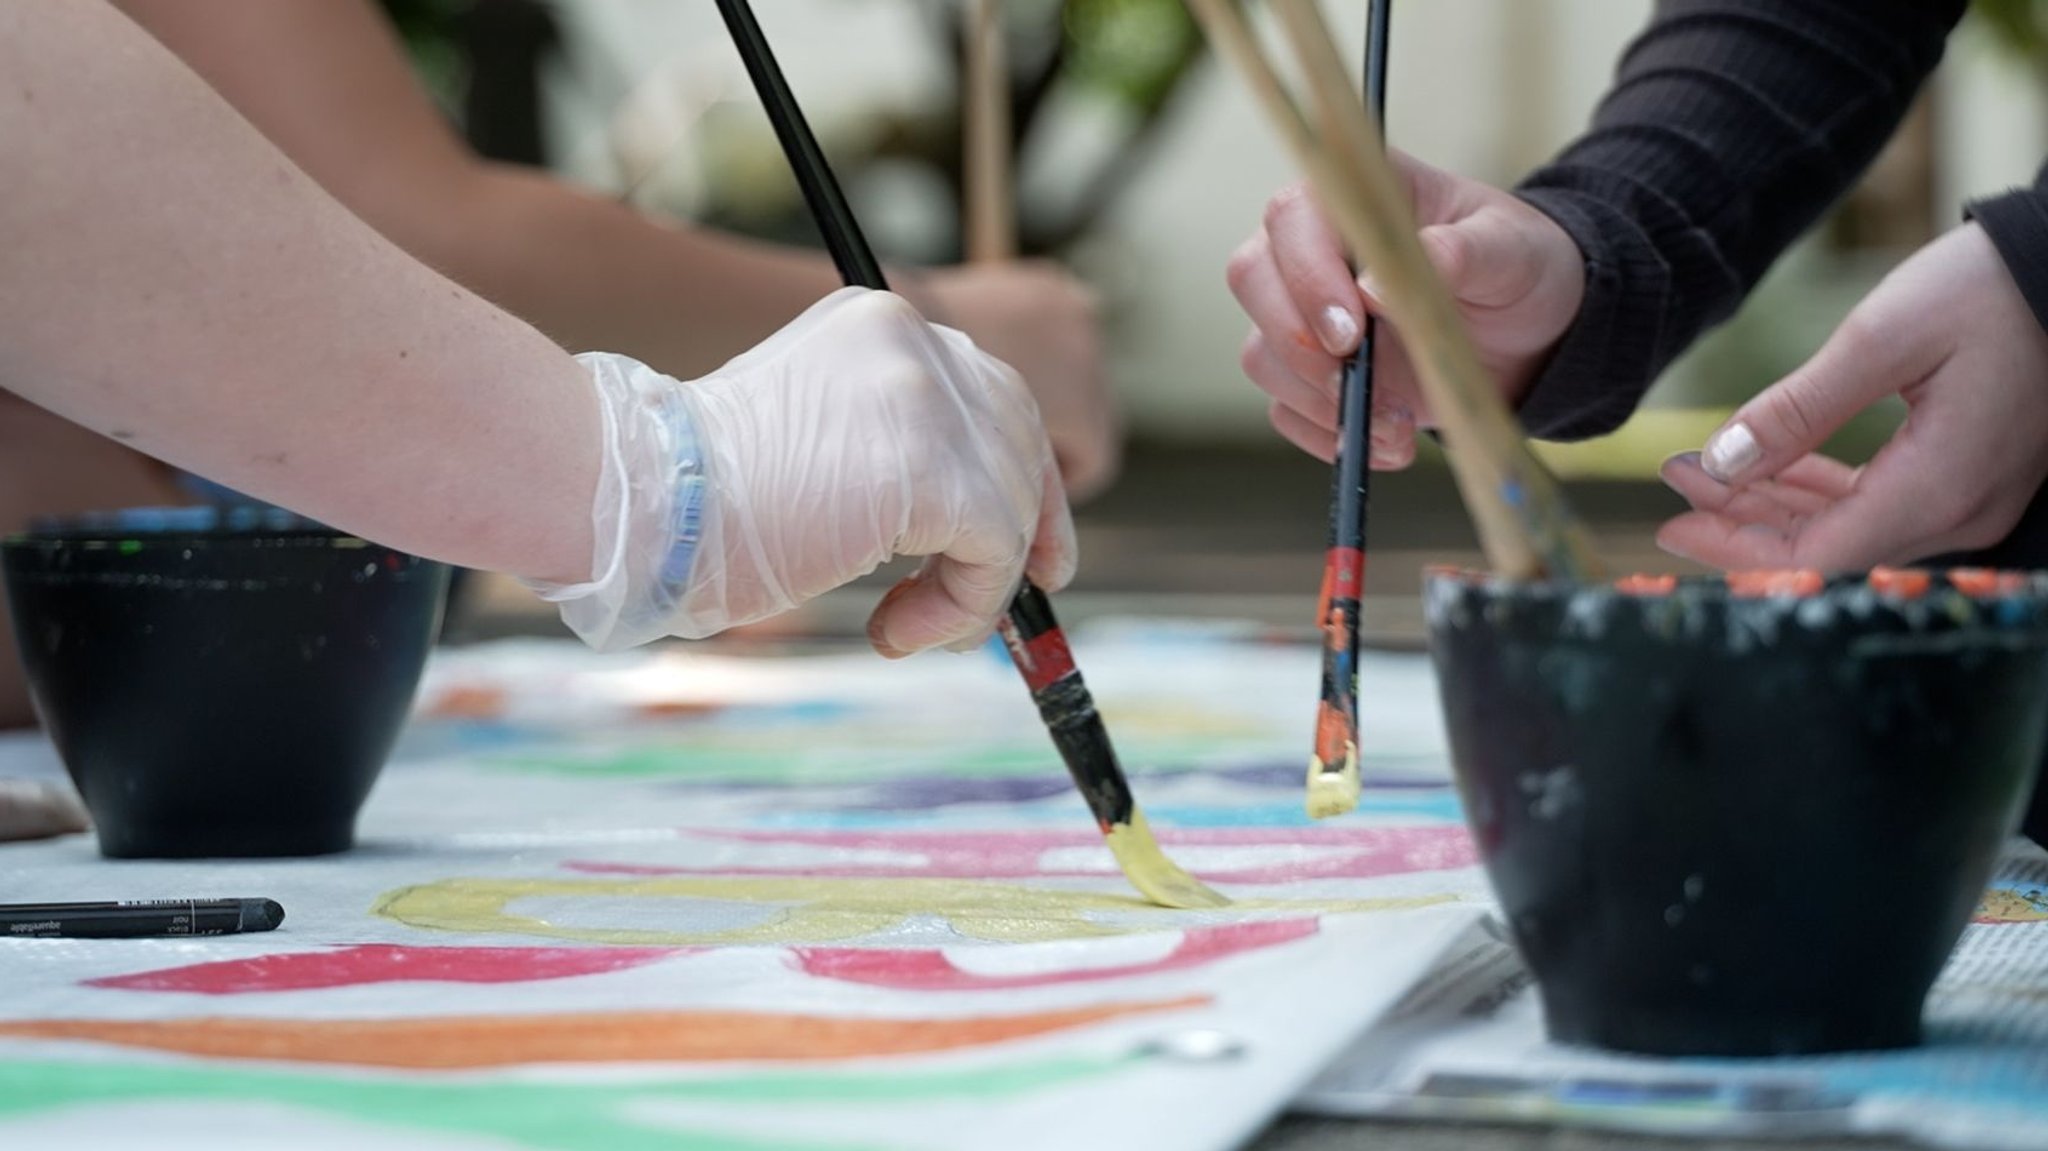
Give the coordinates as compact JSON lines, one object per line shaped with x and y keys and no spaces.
{"x":1031,"y":632}
{"x":1333,"y":782}
{"x":990,"y":209}
{"x":1525,"y":526}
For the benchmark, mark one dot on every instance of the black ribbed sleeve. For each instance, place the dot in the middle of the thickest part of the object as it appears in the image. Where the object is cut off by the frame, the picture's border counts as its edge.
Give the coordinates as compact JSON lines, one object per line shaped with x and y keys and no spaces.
{"x":1731,"y":126}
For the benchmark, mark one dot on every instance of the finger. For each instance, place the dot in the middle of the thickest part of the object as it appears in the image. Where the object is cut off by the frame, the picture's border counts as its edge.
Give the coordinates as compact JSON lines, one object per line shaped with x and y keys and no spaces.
{"x":1393,"y":438}
{"x":1055,"y":552}
{"x":1315,"y":404}
{"x":1393,"y":377}
{"x":1764,"y":501}
{"x":1488,"y":259}
{"x":1824,"y":476}
{"x":1723,"y":542}
{"x":1313,"y":268}
{"x":1867,"y":358}
{"x":1884,"y":519}
{"x":946,"y":601}
{"x":1319,"y":442}
{"x":1280,"y":325}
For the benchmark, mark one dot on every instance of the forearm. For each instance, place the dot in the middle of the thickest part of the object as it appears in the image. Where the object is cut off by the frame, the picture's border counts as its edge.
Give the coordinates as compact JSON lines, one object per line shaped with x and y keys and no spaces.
{"x":594,"y":273}
{"x":173,"y":281}
{"x":1732,"y":125}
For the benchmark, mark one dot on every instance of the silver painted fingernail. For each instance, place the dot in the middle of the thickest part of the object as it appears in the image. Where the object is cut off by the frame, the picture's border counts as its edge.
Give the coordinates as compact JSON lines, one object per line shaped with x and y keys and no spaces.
{"x":1730,"y":452}
{"x":1340,"y":331}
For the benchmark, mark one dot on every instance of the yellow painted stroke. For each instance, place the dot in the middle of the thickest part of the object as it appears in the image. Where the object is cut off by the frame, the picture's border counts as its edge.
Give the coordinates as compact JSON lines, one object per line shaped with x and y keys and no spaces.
{"x":805,"y":910}
{"x":472,"y":1041}
{"x":2002,"y":905}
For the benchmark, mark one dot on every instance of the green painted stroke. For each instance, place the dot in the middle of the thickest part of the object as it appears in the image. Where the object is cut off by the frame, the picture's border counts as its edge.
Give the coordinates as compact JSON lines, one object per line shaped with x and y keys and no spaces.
{"x":543,"y":1116}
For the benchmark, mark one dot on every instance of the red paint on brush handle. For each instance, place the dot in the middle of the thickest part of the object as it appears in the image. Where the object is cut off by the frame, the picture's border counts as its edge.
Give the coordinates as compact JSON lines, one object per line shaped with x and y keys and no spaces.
{"x":1044,"y":659}
{"x":1343,"y":574}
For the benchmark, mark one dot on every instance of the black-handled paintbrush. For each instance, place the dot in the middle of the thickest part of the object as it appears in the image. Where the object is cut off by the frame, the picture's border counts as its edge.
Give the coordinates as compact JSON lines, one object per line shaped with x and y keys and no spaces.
{"x":1333,"y":782}
{"x":1031,"y":632}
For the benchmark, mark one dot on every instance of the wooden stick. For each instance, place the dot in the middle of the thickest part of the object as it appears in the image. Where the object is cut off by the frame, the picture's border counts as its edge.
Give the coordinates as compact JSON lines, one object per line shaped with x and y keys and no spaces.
{"x":990,"y":194}
{"x":1524,"y":524}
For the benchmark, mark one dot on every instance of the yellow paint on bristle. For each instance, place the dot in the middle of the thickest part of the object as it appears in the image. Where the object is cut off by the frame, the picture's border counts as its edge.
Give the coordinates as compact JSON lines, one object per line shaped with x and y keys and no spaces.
{"x":1156,"y":877}
{"x":1333,"y":792}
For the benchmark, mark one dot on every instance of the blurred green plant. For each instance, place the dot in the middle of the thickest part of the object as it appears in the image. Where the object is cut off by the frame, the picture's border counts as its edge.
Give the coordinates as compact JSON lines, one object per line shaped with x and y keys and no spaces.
{"x":2020,"y":25}
{"x":1136,"y":49}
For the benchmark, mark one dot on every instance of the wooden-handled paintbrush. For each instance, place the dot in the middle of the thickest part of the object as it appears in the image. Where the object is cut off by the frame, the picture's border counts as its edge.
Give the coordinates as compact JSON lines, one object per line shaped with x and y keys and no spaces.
{"x":991,"y":205}
{"x":1525,"y":526}
{"x":1031,"y":632}
{"x":1333,"y":782}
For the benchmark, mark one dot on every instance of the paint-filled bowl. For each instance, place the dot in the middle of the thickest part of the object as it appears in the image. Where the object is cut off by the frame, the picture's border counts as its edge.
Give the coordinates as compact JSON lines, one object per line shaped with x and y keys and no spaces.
{"x":1741,"y":816}
{"x":219,"y":684}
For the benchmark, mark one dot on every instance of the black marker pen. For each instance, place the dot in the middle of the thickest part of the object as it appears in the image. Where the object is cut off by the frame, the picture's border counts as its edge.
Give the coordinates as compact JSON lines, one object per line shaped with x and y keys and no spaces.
{"x":144,"y":919}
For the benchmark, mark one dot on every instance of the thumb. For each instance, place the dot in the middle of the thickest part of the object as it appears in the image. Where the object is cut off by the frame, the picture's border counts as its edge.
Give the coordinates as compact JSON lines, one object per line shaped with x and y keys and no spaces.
{"x":1490,"y":258}
{"x":1794,"y":416}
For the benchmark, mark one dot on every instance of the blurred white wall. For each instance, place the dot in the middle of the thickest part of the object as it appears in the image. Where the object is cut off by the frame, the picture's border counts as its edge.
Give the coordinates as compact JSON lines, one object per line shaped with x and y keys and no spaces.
{"x":1484,"y":87}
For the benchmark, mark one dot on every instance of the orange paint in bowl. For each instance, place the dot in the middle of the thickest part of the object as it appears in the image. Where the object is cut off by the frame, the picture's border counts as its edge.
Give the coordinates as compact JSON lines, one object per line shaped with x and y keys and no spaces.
{"x":1800,"y":582}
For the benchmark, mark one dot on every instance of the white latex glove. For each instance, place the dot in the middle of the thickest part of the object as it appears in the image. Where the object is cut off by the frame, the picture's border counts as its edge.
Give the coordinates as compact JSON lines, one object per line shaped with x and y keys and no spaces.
{"x":857,"y":433}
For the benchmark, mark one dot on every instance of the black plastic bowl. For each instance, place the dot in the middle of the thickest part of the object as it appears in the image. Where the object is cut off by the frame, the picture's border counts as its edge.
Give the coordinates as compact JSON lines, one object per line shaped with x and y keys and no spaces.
{"x":1746,"y":816}
{"x":220,"y":685}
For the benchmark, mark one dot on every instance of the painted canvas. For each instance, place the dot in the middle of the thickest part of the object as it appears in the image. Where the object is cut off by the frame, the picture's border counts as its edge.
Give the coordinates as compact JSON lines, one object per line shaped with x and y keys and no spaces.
{"x":688,"y":901}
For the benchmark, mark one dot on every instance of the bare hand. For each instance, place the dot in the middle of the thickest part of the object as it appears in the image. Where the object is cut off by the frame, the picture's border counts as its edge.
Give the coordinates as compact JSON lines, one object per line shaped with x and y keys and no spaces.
{"x":1041,"y":321}
{"x":1947,"y":331}
{"x":1517,"y":278}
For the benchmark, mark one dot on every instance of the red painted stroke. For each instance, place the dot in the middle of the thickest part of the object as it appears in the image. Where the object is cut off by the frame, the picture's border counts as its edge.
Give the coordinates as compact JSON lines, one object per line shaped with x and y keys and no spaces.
{"x":385,"y":963}
{"x":934,"y":971}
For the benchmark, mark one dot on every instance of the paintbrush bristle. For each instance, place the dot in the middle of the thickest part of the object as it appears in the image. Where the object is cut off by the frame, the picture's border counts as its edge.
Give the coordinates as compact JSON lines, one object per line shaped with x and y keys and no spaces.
{"x":1333,"y":791}
{"x":1156,"y":877}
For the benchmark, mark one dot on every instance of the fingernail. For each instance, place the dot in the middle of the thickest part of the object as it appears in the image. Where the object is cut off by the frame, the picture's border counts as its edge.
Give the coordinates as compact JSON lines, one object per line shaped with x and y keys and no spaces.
{"x":1730,"y":452}
{"x":1339,"y":330}
{"x":1370,"y":287}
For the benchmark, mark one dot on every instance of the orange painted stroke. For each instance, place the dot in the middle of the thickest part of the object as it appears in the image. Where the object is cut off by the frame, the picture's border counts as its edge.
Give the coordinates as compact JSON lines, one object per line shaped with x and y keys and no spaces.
{"x":458,"y":1042}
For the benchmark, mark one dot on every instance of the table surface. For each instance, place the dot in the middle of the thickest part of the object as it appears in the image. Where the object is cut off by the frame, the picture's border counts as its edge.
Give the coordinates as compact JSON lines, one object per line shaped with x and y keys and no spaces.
{"x":1314,"y":1133}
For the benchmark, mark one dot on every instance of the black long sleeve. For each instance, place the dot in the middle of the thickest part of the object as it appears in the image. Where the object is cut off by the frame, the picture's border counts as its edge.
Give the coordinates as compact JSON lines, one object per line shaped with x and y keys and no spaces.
{"x":1731,"y":126}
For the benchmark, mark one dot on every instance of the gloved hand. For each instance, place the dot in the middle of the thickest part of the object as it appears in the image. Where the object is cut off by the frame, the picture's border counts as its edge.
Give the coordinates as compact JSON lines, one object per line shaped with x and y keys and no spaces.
{"x":857,"y":433}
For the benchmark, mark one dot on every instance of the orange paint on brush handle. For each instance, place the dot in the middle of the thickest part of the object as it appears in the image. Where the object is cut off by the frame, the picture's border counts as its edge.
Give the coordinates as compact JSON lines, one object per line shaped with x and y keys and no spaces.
{"x":461,"y":1042}
{"x":1333,"y":735}
{"x":1343,"y":574}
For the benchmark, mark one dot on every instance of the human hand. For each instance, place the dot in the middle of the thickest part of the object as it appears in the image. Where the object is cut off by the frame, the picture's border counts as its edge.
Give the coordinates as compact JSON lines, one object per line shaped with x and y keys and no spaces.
{"x":1516,"y":276}
{"x":855,"y":434}
{"x":1039,"y":319}
{"x":1947,"y":331}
